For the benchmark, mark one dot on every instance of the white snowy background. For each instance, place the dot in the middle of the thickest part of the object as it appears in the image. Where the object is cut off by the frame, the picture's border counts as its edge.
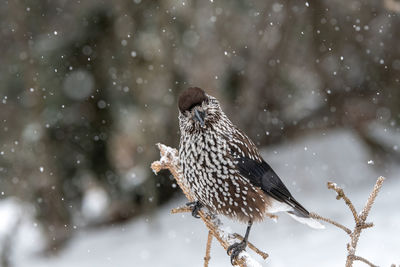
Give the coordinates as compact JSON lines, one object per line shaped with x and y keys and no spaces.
{"x":162,"y":239}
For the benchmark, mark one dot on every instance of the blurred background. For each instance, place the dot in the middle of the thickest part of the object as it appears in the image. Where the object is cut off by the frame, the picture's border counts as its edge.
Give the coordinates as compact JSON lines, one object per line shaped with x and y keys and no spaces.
{"x":87,"y":88}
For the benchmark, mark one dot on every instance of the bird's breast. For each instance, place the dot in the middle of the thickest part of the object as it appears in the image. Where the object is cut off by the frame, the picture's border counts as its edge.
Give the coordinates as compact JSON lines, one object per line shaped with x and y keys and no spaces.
{"x":212,"y":175}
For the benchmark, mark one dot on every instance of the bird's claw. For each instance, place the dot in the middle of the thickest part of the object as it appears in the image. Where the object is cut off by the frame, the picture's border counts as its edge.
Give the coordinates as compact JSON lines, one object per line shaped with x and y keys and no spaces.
{"x":236,"y":249}
{"x":196,"y":207}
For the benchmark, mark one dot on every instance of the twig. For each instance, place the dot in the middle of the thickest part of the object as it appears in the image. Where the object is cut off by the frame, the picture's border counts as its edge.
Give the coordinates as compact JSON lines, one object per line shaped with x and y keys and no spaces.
{"x":319,"y":217}
{"x":181,"y":210}
{"x":358,"y":258}
{"x":208,"y":249}
{"x":360,"y":223}
{"x":341,"y":194}
{"x":169,"y":160}
{"x":252,"y":247}
{"x":371,"y":199}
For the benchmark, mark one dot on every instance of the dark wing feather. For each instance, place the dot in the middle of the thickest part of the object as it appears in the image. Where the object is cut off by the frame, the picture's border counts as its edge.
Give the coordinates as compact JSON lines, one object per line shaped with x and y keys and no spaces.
{"x":253,"y":167}
{"x":261,"y":175}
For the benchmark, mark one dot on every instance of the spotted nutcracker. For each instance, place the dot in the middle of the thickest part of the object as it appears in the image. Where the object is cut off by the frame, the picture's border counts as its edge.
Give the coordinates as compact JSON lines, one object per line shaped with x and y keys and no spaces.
{"x":224,"y":169}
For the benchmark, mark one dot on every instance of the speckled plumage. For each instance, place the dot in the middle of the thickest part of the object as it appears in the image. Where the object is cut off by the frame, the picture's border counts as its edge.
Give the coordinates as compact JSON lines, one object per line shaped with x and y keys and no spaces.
{"x":223,"y":167}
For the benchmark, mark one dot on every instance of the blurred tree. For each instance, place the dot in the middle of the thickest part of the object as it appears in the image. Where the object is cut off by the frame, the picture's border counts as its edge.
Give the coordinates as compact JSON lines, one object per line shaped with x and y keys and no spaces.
{"x":88,"y":87}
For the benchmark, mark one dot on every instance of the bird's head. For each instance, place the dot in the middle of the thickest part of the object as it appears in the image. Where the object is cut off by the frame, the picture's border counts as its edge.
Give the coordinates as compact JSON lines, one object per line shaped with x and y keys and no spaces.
{"x":198,"y":110}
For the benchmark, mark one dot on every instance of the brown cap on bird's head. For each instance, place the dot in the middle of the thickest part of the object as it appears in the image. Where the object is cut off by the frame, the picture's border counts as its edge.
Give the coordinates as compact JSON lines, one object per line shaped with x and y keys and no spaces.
{"x":191,"y":97}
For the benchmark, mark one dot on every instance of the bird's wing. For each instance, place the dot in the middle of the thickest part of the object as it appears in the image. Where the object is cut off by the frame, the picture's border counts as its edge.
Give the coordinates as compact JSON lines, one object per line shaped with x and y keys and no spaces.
{"x":251,"y":166}
{"x":262,"y":175}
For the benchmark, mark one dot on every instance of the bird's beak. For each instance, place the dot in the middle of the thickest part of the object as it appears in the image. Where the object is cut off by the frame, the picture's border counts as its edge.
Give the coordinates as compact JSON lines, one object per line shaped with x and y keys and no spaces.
{"x":199,"y":116}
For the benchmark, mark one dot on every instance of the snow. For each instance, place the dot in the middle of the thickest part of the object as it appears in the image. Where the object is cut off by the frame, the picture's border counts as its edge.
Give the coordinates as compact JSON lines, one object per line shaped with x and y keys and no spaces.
{"x":17,"y":222}
{"x":250,"y":261}
{"x":164,"y":239}
{"x":10,"y":212}
{"x":94,"y":203}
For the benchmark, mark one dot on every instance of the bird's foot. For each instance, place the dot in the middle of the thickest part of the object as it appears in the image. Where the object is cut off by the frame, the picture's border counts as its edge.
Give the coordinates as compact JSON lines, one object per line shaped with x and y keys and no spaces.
{"x":196,"y":207}
{"x":236,"y":249}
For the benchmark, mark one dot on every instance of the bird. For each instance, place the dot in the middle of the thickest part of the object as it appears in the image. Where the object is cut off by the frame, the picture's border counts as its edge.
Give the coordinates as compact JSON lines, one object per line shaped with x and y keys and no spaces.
{"x":225,"y":171}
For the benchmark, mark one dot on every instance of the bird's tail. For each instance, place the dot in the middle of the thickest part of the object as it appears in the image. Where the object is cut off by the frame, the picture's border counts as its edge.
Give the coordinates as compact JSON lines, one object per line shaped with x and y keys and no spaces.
{"x":296,"y":211}
{"x":305,"y":219}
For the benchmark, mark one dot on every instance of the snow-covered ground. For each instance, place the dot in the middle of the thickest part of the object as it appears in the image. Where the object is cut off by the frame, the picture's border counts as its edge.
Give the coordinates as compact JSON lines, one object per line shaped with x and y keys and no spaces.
{"x":305,"y":165}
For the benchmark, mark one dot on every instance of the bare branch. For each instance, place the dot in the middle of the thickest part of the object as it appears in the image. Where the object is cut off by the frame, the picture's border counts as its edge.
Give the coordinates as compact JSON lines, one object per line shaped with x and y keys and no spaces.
{"x":319,"y":217}
{"x":371,"y":199}
{"x":169,"y":160}
{"x":208,"y":249}
{"x":341,"y":194}
{"x":252,"y":247}
{"x":358,"y":258}
{"x":360,"y":223}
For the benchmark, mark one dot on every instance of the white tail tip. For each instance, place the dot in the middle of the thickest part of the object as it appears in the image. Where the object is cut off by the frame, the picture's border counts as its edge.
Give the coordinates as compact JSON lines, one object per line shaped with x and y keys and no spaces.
{"x":308,"y":221}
